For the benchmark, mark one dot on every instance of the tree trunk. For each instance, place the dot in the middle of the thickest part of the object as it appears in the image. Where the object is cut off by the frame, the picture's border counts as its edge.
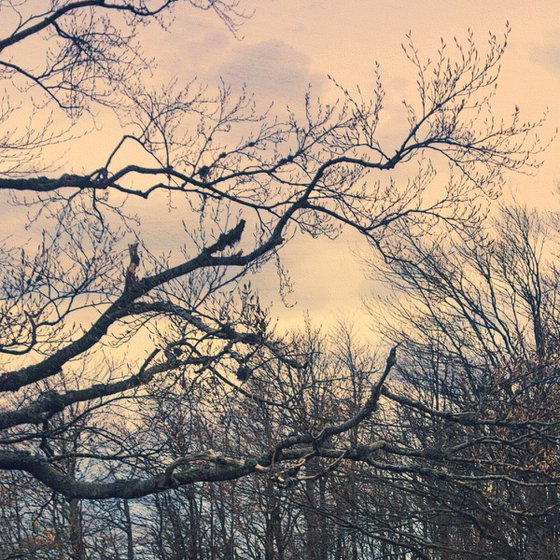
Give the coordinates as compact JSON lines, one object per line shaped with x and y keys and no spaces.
{"x":128,"y":529}
{"x":77,"y":547}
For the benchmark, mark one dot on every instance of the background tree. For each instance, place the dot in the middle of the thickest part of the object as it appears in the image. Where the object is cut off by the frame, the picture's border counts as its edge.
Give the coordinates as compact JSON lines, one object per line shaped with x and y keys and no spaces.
{"x":479,"y":326}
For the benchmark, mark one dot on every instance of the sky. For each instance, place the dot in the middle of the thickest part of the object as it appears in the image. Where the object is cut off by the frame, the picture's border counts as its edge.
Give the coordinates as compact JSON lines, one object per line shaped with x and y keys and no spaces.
{"x":286,"y":45}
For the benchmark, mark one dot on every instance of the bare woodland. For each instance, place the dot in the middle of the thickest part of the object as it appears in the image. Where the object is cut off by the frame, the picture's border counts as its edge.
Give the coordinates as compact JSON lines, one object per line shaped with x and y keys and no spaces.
{"x":150,"y":407}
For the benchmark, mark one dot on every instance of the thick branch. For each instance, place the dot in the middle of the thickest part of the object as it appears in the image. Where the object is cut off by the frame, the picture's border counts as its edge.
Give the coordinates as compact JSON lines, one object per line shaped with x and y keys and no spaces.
{"x":122,"y":307}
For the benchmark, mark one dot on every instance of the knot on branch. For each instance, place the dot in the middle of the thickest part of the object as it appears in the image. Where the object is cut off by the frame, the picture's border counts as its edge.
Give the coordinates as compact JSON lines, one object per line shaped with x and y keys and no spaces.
{"x":392,"y":358}
{"x":100,"y":175}
{"x":209,"y":456}
{"x":132,"y":266}
{"x":227,"y":239}
{"x":52,"y":401}
{"x":231,"y":237}
{"x":243,"y":373}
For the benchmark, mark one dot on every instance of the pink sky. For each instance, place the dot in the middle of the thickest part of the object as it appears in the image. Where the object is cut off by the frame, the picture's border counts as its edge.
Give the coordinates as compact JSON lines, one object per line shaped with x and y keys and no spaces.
{"x":288,"y":44}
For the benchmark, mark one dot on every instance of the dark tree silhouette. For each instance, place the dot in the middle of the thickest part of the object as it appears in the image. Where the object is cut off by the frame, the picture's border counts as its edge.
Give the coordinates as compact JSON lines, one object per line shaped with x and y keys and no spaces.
{"x":91,"y":343}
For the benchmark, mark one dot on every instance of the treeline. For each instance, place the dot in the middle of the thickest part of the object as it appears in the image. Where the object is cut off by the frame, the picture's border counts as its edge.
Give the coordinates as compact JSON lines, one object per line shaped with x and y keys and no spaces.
{"x":459,"y":460}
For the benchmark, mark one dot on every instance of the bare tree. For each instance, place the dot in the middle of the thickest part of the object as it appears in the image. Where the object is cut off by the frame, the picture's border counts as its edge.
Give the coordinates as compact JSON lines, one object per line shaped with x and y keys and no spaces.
{"x":479,"y":330}
{"x":78,"y":397}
